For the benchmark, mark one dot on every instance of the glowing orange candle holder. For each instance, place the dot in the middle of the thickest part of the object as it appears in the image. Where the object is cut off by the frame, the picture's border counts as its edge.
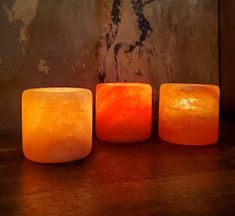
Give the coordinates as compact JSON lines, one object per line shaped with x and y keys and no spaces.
{"x":189,"y":113}
{"x":123,"y":112}
{"x":56,"y":124}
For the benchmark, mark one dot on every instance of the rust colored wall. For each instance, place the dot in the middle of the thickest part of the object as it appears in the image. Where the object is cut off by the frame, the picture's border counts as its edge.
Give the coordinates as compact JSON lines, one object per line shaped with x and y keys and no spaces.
{"x":81,"y":43}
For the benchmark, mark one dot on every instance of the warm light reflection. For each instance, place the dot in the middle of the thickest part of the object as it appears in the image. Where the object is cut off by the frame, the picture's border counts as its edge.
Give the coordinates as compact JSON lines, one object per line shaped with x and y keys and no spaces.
{"x":189,"y":113}
{"x":186,"y":103}
{"x":56,"y":124}
{"x":123,"y":111}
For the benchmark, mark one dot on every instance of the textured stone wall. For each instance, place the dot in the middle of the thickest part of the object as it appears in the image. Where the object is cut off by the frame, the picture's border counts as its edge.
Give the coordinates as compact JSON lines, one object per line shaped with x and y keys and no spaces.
{"x":83,"y":42}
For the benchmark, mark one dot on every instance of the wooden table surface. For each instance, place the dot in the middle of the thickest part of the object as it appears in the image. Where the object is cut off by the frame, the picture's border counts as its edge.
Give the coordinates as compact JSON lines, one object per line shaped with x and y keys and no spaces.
{"x":149,"y":178}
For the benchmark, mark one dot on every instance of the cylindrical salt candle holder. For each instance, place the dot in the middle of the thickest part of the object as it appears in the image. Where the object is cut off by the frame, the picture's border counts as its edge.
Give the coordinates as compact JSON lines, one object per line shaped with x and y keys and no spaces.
{"x":189,"y":113}
{"x":56,"y":124}
{"x":123,"y":112}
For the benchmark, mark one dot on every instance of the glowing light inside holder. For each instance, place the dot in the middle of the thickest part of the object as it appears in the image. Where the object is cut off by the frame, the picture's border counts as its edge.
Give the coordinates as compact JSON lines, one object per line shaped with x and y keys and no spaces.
{"x":189,"y":113}
{"x":56,"y":124}
{"x":123,"y":112}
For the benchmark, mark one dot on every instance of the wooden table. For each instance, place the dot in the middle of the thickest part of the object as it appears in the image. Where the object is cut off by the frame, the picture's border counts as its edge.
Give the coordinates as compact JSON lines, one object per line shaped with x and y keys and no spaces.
{"x":150,"y":178}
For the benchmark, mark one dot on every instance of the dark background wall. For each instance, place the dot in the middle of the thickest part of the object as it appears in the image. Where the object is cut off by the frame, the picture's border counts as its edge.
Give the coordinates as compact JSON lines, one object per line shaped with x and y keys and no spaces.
{"x":227,"y":57}
{"x":80,"y":43}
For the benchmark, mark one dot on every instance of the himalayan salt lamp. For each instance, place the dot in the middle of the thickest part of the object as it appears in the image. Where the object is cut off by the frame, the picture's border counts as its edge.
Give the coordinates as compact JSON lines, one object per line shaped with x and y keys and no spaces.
{"x":123,"y":112}
{"x":189,"y":113}
{"x":56,"y":124}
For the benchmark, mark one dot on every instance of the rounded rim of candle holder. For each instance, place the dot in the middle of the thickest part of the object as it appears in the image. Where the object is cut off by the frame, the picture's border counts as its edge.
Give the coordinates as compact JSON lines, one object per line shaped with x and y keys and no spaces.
{"x":58,"y":90}
{"x":123,"y":84}
{"x":191,"y":84}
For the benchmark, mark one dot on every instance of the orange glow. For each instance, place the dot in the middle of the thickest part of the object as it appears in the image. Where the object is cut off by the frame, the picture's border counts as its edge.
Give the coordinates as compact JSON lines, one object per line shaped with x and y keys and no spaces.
{"x":56,"y":124}
{"x":123,"y":112}
{"x":189,"y":113}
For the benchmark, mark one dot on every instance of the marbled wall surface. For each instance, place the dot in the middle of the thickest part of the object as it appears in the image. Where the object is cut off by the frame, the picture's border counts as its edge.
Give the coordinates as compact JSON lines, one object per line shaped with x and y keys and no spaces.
{"x":83,"y":42}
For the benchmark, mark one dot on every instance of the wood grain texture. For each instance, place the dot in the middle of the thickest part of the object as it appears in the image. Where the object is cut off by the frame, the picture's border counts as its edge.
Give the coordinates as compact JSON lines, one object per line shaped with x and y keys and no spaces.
{"x":80,"y":43}
{"x":151,"y":178}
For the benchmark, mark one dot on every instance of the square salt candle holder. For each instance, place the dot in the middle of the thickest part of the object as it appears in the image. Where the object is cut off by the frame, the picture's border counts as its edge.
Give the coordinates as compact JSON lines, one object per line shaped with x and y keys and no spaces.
{"x":123,"y":112}
{"x":189,"y":113}
{"x":56,"y":124}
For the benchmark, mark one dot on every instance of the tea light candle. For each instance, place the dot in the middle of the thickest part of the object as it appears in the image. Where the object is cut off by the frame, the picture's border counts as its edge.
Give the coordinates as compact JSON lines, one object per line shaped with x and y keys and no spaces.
{"x":56,"y":124}
{"x":123,"y":112}
{"x":189,"y":113}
